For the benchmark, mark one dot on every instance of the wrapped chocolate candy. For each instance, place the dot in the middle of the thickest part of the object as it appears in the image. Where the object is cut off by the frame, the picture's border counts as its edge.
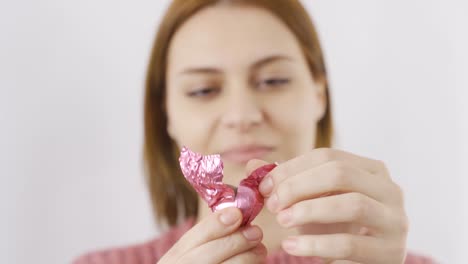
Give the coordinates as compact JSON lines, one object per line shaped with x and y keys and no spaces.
{"x":205,"y":174}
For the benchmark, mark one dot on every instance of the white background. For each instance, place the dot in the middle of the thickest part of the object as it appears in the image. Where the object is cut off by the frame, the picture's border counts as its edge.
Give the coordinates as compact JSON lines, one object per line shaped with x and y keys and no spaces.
{"x":71,"y":91}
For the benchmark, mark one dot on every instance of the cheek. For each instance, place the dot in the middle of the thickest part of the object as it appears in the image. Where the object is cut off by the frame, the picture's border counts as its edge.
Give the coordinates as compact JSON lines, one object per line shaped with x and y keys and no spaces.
{"x":294,"y":124}
{"x":293,"y":116}
{"x":294,"y":111}
{"x":189,"y":127}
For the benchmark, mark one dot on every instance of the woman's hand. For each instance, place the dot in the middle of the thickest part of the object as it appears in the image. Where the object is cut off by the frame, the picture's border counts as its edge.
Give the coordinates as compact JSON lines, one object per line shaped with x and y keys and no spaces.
{"x":345,"y":206}
{"x":218,"y":239}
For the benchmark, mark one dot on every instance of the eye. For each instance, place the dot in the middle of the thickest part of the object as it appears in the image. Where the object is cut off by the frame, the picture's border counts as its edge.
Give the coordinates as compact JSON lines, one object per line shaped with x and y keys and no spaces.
{"x":273,"y":83}
{"x":203,"y":92}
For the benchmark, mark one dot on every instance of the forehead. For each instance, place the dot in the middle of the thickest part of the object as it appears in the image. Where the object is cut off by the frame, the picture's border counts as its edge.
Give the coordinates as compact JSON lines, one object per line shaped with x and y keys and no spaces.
{"x":230,"y":36}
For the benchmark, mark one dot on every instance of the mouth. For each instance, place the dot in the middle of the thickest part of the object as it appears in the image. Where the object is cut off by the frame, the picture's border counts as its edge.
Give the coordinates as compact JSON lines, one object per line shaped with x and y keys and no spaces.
{"x":242,"y":154}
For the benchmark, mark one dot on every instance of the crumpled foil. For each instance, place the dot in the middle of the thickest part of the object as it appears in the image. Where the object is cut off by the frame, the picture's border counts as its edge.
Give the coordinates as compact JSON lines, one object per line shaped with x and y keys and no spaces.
{"x":205,"y":174}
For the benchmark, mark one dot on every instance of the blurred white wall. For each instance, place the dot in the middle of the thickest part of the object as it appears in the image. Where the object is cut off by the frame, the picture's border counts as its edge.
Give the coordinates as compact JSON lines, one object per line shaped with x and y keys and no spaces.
{"x":71,"y":86}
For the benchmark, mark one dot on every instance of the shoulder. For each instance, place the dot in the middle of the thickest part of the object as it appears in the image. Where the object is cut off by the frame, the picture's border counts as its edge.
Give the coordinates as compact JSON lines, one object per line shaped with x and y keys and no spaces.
{"x":143,"y":253}
{"x":413,"y":258}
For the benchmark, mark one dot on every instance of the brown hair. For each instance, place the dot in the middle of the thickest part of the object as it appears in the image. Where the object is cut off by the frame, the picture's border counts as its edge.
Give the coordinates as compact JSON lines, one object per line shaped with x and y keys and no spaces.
{"x":172,"y":198}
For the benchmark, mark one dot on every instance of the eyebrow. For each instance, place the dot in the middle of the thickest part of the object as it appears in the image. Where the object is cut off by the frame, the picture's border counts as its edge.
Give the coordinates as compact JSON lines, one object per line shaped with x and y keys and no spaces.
{"x":254,"y":66}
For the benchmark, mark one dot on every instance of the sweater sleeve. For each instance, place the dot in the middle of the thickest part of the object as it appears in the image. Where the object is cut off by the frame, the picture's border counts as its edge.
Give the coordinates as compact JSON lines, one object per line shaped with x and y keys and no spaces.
{"x":146,"y":253}
{"x":281,"y":257}
{"x":150,"y":252}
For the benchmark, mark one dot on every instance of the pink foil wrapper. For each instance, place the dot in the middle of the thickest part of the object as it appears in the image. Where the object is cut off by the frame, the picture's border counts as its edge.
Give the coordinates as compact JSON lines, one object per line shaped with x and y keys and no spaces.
{"x":205,"y":174}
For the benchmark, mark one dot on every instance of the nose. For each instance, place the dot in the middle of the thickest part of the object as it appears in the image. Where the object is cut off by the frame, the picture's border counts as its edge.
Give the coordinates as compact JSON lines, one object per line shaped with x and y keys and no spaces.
{"x":243,"y":111}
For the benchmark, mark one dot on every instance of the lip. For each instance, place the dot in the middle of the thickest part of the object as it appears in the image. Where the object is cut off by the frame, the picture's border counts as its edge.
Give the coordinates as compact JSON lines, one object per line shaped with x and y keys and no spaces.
{"x":243,"y":154}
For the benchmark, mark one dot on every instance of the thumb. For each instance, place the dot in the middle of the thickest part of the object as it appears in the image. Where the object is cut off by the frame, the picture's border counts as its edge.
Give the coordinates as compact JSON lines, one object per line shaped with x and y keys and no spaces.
{"x":253,"y":165}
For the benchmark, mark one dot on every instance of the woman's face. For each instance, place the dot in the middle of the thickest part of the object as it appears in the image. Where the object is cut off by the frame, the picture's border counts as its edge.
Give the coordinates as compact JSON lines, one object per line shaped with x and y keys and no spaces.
{"x":238,"y":84}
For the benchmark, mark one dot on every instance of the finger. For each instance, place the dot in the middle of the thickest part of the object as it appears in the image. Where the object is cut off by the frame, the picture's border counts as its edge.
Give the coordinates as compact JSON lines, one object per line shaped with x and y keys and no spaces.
{"x":217,"y":225}
{"x":332,"y":177}
{"x":362,"y":249}
{"x":320,"y":156}
{"x":256,"y":255}
{"x":343,"y":208}
{"x":223,"y":248}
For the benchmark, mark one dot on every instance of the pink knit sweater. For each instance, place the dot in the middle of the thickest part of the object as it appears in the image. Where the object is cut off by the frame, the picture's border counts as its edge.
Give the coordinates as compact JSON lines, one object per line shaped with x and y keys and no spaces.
{"x":151,"y":251}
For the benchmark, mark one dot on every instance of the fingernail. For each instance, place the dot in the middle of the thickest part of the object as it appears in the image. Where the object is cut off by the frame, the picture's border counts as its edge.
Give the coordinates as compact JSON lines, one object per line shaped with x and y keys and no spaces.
{"x":252,"y":233}
{"x":272,"y":202}
{"x":229,"y":217}
{"x":266,"y":186}
{"x":290,"y":244}
{"x":285,"y":217}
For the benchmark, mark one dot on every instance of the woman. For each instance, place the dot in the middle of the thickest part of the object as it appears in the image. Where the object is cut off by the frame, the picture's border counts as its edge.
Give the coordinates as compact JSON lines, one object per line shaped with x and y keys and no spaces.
{"x":247,"y":79}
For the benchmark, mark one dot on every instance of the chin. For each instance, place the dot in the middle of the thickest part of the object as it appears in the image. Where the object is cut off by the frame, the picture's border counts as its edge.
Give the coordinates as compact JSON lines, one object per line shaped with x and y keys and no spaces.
{"x":233,"y":173}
